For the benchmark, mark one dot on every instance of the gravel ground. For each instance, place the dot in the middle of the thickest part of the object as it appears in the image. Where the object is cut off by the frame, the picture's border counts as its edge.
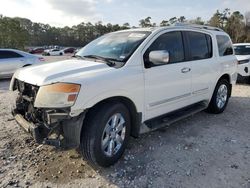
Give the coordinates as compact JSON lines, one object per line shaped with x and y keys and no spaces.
{"x":201,"y":151}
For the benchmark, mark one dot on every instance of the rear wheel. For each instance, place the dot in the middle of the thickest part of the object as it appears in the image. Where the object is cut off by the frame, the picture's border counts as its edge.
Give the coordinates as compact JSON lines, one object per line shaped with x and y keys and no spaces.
{"x":105,"y":134}
{"x":220,"y":97}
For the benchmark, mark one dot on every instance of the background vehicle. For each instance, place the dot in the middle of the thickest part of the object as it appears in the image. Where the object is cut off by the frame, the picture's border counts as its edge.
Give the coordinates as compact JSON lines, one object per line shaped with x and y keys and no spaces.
{"x":69,"y":50}
{"x":11,"y":60}
{"x":53,"y":52}
{"x":125,"y":83}
{"x":36,"y":51}
{"x":242,"y":52}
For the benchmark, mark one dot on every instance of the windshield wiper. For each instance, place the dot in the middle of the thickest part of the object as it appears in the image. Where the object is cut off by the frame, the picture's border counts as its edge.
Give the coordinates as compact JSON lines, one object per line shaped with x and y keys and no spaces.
{"x":78,"y":56}
{"x":109,"y":61}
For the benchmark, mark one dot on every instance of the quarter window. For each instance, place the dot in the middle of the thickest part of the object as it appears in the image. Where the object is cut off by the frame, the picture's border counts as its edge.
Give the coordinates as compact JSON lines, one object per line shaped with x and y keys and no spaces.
{"x":9,"y":54}
{"x":224,"y":45}
{"x":171,"y":42}
{"x":200,"y":45}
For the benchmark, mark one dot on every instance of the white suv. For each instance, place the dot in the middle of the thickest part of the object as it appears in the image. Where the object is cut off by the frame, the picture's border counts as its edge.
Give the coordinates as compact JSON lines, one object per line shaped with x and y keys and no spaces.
{"x":125,"y":83}
{"x":242,"y":52}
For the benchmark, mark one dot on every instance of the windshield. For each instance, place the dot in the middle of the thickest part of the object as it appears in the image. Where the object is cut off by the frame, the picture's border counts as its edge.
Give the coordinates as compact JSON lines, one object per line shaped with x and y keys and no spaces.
{"x":116,"y":46}
{"x":242,"y":50}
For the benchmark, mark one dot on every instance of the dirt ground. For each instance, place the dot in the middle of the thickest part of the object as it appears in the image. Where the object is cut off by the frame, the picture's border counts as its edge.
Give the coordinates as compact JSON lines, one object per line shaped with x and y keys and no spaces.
{"x":201,"y":151}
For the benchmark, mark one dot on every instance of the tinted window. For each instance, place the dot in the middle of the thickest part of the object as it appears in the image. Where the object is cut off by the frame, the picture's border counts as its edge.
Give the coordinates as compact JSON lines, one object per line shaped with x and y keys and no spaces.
{"x":242,"y":50}
{"x":9,"y":54}
{"x":224,"y":45}
{"x":172,"y":42}
{"x":200,"y":45}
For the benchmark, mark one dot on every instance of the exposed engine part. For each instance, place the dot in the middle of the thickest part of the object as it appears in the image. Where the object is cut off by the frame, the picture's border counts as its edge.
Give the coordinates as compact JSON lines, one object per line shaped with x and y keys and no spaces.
{"x":42,"y":122}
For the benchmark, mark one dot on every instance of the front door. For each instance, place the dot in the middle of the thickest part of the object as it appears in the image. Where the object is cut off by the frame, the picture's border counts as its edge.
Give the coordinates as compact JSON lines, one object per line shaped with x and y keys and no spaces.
{"x":168,"y":86}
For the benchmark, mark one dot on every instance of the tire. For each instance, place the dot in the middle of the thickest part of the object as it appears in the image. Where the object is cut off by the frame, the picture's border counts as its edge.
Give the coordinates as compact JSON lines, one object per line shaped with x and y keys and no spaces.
{"x":95,"y":141}
{"x":60,"y":54}
{"x":220,"y":97}
{"x":48,"y":54}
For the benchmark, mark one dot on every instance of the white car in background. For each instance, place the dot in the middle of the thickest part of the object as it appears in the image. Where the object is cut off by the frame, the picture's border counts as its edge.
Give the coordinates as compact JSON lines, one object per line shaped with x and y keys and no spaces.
{"x":242,"y":52}
{"x":53,"y":52}
{"x":11,"y":60}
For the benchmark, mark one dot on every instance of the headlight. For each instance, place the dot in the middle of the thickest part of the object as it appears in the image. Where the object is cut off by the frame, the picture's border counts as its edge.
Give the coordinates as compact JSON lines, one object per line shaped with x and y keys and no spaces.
{"x":57,"y":95}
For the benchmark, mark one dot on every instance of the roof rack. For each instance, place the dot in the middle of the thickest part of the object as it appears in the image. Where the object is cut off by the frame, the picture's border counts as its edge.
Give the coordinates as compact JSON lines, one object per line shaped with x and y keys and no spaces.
{"x":198,"y":26}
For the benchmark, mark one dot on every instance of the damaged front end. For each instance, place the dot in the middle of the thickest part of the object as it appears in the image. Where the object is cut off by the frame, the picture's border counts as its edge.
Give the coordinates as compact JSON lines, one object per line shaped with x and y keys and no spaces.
{"x":52,"y":126}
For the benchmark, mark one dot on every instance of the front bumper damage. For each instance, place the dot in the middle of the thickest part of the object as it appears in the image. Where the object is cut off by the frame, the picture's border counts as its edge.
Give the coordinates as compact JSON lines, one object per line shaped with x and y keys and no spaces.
{"x":47,"y":126}
{"x":65,"y":134}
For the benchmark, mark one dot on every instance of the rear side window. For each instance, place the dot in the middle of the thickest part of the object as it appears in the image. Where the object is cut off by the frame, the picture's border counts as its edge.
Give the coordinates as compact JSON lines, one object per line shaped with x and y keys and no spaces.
{"x":200,"y":45}
{"x":172,"y":42}
{"x":224,"y":45}
{"x":9,"y":54}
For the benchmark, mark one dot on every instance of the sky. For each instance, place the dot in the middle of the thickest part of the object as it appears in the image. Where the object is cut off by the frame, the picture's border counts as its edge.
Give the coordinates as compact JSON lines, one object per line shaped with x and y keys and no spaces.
{"x":62,"y":13}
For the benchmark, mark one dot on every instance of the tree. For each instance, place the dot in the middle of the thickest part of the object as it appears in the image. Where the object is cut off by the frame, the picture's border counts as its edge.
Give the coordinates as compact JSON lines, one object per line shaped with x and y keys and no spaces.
{"x":12,"y":35}
{"x":20,"y":32}
{"x":198,"y":21}
{"x":173,"y":20}
{"x":235,"y":27}
{"x":182,"y":19}
{"x":146,"y":22}
{"x":164,"y":23}
{"x":219,"y":19}
{"x":125,"y":26}
{"x":216,"y":20}
{"x":247,"y":19}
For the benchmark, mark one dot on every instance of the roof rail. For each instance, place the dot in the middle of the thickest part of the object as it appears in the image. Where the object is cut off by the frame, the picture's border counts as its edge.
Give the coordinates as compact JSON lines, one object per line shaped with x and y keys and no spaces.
{"x":198,"y":26}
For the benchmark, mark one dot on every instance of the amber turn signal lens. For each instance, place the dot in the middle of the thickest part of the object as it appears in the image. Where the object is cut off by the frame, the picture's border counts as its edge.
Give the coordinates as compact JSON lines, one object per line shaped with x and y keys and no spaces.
{"x":72,"y":97}
{"x":63,"y":88}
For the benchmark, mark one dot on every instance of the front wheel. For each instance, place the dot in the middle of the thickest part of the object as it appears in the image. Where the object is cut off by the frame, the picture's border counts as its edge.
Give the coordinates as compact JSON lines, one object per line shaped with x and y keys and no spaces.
{"x":220,"y":97}
{"x":105,"y":134}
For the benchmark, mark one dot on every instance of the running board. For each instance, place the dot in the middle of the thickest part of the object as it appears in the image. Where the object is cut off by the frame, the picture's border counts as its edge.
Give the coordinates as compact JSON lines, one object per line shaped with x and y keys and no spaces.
{"x":172,"y":117}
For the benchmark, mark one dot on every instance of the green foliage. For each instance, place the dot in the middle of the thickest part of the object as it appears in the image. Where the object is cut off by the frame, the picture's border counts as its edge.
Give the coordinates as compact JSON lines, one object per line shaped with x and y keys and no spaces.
{"x":198,"y":21}
{"x":20,"y":32}
{"x":146,"y":22}
{"x":12,"y":35}
{"x":233,"y":23}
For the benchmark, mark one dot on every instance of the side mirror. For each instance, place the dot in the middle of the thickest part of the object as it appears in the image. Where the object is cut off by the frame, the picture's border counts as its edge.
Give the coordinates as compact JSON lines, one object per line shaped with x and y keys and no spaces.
{"x":160,"y":57}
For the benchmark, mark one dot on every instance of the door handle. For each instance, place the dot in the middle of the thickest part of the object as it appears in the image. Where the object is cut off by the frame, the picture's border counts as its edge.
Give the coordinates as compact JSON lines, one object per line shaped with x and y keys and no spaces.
{"x":185,"y":70}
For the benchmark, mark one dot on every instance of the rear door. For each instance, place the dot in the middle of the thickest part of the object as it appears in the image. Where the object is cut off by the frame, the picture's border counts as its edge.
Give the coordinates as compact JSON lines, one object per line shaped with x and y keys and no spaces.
{"x":9,"y":62}
{"x":204,"y":67}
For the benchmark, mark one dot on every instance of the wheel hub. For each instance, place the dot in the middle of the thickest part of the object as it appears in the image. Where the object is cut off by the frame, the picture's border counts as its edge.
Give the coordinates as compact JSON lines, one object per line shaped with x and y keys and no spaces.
{"x":113,"y":135}
{"x":222,"y":96}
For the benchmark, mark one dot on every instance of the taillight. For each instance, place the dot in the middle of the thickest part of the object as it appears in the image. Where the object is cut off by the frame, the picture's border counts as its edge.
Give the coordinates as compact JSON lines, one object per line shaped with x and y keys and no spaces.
{"x":41,"y":59}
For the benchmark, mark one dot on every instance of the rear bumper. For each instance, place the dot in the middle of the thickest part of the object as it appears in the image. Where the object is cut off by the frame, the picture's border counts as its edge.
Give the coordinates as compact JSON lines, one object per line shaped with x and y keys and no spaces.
{"x":66,"y":134}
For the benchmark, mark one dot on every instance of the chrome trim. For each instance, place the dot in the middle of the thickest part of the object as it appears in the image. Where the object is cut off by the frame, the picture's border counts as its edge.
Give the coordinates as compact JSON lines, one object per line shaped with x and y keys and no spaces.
{"x":169,"y":100}
{"x":200,"y":91}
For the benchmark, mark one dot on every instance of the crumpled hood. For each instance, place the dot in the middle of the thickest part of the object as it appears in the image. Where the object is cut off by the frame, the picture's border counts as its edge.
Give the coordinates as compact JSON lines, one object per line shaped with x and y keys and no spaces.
{"x":47,"y":73}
